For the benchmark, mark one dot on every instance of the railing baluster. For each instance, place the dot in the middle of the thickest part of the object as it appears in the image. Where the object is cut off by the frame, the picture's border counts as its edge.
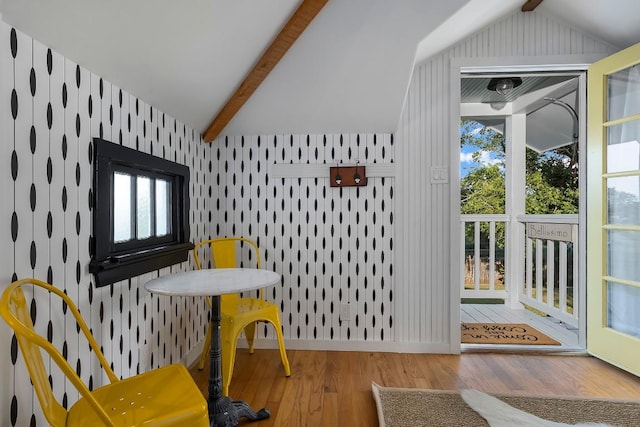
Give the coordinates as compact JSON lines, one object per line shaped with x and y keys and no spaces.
{"x":575,"y":295}
{"x":551,"y":273}
{"x":463,"y":256}
{"x":492,"y":255}
{"x":476,"y":256}
{"x":529,"y":264}
{"x":539,"y":268}
{"x":562,"y":279}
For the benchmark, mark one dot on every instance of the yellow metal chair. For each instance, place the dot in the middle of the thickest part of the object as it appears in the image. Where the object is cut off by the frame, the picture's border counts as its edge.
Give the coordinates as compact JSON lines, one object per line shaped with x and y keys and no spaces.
{"x":238,"y":313}
{"x":166,"y":396}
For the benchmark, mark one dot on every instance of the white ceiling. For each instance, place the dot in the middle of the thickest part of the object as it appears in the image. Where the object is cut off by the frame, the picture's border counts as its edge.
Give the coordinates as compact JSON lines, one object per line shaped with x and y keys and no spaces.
{"x":348,"y":72}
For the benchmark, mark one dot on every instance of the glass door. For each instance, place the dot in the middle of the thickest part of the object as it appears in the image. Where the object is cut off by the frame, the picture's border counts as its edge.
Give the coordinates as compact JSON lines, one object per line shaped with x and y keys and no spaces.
{"x":613,"y":191}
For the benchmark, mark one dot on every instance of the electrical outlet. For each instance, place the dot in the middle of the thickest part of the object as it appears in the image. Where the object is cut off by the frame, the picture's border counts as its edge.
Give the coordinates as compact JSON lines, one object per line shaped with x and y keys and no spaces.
{"x":345,"y":312}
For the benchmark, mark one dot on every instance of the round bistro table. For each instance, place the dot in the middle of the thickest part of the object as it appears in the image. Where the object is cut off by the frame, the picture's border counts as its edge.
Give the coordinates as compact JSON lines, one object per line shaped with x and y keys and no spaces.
{"x":223,"y":411}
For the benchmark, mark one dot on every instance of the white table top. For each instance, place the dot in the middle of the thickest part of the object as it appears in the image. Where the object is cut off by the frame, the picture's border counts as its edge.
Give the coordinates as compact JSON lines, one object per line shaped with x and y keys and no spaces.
{"x":215,"y":281}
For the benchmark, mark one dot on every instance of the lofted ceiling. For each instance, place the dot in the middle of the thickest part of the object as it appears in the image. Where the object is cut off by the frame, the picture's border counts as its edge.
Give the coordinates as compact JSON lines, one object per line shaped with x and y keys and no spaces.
{"x":347,"y":72}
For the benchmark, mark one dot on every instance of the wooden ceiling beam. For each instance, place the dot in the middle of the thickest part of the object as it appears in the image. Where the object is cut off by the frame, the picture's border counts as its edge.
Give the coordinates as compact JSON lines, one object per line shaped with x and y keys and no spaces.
{"x":301,"y":18}
{"x":530,"y":5}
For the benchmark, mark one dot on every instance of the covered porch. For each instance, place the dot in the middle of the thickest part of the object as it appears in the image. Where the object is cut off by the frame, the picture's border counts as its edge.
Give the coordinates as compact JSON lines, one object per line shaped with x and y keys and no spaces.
{"x":534,"y":279}
{"x":517,"y":267}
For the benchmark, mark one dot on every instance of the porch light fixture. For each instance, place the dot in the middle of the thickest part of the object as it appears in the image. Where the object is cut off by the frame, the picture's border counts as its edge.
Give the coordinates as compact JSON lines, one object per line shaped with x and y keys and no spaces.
{"x":504,"y":85}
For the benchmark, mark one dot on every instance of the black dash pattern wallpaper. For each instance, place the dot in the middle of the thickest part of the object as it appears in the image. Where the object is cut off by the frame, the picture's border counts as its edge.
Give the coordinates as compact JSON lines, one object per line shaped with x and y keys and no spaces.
{"x":51,"y":109}
{"x":332,"y":246}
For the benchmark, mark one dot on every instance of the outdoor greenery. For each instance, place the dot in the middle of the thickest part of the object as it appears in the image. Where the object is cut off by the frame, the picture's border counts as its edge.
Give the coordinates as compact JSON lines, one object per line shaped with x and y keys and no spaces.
{"x":551,"y":184}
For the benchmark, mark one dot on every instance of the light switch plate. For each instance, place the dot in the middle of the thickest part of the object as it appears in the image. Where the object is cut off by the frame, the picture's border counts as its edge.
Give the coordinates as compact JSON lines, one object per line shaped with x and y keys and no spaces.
{"x":439,"y":175}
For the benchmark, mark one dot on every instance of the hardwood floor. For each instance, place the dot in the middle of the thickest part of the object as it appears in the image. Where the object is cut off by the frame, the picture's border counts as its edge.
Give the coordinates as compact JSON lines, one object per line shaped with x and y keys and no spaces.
{"x":329,"y":388}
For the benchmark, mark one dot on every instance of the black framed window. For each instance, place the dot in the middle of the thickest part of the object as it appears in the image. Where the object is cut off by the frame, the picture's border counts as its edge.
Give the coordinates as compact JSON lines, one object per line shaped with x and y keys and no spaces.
{"x":141,"y":211}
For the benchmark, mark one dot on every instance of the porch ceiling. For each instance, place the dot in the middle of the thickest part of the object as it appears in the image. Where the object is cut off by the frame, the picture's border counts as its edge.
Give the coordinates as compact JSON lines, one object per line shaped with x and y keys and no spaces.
{"x":549,"y":125}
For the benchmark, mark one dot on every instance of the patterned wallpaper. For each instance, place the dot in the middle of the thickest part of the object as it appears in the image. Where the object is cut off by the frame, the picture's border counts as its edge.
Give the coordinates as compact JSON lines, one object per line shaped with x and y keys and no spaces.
{"x":52,"y":109}
{"x":333,"y":246}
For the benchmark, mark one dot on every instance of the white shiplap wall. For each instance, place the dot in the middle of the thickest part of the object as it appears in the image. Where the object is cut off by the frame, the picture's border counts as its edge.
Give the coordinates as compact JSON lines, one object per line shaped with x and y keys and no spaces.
{"x":427,"y":138}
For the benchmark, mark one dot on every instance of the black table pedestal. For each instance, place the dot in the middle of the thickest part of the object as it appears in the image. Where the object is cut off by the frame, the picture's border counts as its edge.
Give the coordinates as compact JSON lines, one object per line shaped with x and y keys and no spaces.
{"x":223,"y":411}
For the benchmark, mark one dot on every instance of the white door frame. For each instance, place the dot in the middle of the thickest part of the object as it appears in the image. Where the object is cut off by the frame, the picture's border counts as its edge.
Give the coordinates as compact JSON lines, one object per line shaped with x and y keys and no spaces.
{"x":459,"y":66}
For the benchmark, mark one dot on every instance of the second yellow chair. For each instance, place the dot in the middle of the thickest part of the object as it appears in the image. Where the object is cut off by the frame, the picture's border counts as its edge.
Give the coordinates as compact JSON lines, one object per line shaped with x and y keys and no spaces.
{"x":238,"y":313}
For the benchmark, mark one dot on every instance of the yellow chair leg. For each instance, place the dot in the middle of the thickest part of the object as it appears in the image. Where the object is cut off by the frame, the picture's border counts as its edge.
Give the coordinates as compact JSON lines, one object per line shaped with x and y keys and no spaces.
{"x":250,"y":334}
{"x":204,"y":356}
{"x":283,"y":352}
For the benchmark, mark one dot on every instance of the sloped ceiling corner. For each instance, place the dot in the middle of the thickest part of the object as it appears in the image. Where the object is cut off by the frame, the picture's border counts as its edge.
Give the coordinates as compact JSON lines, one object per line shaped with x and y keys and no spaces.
{"x":348,"y":72}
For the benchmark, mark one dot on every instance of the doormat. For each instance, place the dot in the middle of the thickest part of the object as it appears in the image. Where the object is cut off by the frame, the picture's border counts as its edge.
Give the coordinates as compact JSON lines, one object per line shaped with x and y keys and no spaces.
{"x":504,"y":333}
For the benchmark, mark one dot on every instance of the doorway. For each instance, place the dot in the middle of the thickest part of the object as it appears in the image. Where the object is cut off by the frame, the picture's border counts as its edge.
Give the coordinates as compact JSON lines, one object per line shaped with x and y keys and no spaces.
{"x":521,"y":135}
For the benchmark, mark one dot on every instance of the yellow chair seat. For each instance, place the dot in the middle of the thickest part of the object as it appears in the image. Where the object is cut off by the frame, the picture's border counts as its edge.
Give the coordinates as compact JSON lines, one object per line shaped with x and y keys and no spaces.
{"x":160,"y":397}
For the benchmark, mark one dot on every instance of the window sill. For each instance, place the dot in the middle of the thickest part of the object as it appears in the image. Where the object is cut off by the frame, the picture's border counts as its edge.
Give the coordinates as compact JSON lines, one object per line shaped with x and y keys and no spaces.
{"x":120,"y":267}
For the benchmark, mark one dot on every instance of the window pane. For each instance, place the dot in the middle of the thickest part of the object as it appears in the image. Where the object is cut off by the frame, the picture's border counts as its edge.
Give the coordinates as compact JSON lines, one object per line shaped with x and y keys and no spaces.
{"x":623,"y":148}
{"x":143,"y":188}
{"x":623,"y":254}
{"x":163,"y":207}
{"x":121,"y":207}
{"x":623,"y":199}
{"x":622,"y":312}
{"x":624,"y":93}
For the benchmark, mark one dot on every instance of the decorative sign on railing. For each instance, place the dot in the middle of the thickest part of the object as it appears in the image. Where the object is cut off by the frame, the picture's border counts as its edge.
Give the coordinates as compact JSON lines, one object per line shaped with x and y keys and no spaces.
{"x":547,"y":231}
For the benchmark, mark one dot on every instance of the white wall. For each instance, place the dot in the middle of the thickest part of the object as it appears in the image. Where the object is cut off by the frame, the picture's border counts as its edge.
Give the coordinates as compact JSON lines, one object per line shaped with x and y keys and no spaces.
{"x":428,"y":138}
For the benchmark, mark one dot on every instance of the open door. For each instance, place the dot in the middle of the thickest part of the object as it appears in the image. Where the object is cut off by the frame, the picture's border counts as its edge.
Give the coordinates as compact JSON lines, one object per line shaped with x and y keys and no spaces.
{"x":613,"y":219}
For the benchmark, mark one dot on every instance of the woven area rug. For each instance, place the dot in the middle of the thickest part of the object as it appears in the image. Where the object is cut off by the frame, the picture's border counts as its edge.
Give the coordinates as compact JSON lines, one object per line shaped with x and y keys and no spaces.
{"x":403,"y":407}
{"x":503,"y":333}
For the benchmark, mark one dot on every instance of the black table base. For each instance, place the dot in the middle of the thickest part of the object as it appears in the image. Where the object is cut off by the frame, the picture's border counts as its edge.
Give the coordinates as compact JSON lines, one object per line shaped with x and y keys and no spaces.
{"x":223,"y":411}
{"x":227,"y":412}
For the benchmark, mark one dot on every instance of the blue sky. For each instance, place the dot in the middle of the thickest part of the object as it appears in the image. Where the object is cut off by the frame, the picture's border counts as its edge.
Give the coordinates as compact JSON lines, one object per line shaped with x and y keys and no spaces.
{"x":466,"y":152}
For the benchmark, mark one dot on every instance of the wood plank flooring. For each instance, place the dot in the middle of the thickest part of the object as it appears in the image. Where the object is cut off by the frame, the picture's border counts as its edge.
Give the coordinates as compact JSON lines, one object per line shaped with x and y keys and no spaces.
{"x":329,"y":388}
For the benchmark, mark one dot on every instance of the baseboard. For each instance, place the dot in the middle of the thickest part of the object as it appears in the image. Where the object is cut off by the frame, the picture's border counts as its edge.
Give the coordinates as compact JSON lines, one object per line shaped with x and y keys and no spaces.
{"x":192,"y":357}
{"x":369,"y":346}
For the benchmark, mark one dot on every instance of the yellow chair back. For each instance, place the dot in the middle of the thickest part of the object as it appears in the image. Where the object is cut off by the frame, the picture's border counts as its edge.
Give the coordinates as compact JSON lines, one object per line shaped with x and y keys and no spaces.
{"x":224,"y":254}
{"x":13,"y":309}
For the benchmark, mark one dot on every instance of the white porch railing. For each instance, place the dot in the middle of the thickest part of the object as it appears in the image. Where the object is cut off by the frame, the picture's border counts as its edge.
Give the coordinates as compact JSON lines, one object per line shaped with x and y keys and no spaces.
{"x":551,"y":266}
{"x":484,"y":263}
{"x":548,"y":281}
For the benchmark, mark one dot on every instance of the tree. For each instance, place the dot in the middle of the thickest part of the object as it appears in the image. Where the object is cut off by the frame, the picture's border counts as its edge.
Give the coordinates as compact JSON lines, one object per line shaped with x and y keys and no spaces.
{"x":552,"y":179}
{"x":551,"y":184}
